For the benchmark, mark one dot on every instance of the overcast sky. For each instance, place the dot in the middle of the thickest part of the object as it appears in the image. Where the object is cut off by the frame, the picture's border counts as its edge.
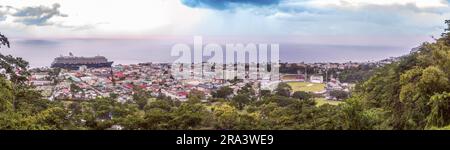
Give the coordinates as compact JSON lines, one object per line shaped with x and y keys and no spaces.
{"x":391,"y":24}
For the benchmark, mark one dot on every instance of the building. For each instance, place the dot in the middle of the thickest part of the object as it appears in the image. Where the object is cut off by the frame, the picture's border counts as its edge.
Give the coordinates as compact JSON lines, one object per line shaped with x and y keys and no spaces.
{"x":316,"y":79}
{"x":293,"y":77}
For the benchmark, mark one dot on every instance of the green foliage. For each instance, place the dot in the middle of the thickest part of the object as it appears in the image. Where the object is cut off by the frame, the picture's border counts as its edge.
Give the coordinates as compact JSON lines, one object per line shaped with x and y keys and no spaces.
{"x":283,"y":89}
{"x":265,"y":93}
{"x":141,"y":97}
{"x":241,"y":100}
{"x":15,"y":67}
{"x":408,"y":94}
{"x":356,"y":75}
{"x":247,"y":89}
{"x":6,"y":95}
{"x":189,"y":116}
{"x":156,"y":119}
{"x":226,"y":116}
{"x":195,"y":96}
{"x":340,"y":95}
{"x":222,"y":92}
{"x":440,"y":108}
{"x":302,"y":95}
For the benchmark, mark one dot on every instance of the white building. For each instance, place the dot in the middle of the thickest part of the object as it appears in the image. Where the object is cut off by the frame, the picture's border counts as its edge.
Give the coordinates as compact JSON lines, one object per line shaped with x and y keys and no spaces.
{"x":316,"y":79}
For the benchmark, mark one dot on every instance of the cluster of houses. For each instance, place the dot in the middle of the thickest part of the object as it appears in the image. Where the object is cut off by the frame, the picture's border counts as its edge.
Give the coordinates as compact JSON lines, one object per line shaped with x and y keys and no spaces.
{"x":156,"y":78}
{"x":347,"y":65}
{"x":122,"y":80}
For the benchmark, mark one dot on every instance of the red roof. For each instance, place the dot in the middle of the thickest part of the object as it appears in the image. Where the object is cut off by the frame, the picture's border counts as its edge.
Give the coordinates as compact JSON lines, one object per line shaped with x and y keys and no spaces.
{"x":182,"y":93}
{"x":119,"y":74}
{"x":129,"y":86}
{"x":143,"y":86}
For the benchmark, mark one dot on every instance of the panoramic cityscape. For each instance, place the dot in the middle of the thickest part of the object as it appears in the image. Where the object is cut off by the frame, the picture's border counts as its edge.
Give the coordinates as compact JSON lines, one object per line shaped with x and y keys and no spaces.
{"x":225,"y":65}
{"x":76,"y":78}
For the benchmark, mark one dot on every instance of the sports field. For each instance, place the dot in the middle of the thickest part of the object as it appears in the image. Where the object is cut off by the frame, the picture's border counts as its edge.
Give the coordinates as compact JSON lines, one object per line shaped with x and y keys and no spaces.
{"x":307,"y":86}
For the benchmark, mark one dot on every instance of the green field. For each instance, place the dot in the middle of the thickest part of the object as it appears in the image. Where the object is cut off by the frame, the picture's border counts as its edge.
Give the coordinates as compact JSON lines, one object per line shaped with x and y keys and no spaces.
{"x":321,"y":101}
{"x":307,"y":86}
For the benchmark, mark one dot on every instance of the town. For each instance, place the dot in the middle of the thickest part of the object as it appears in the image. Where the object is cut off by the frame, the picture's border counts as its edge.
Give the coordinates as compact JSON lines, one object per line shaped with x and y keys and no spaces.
{"x":86,"y":81}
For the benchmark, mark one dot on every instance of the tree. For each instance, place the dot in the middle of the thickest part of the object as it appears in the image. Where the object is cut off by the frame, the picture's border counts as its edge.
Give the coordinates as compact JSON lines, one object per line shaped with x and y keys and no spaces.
{"x":247,"y":89}
{"x":283,"y":89}
{"x":265,"y":93}
{"x":15,"y":70}
{"x":302,"y":95}
{"x":281,"y":101}
{"x":222,"y":92}
{"x":53,"y":118}
{"x":157,"y":119}
{"x":356,"y":117}
{"x":6,"y":95}
{"x":98,"y":113}
{"x":13,"y":121}
{"x":241,"y":100}
{"x":226,"y":116}
{"x":3,"y":40}
{"x":338,"y":94}
{"x":440,"y":108}
{"x":406,"y":94}
{"x":190,"y":116}
{"x":164,"y":105}
{"x":433,"y":80}
{"x":195,"y":96}
{"x":326,"y":117}
{"x":249,"y":121}
{"x":141,"y":97}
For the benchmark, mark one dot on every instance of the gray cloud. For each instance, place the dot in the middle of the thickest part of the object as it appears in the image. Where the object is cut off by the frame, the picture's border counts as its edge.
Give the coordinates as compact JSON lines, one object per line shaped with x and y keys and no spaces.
{"x":32,"y":15}
{"x":39,"y":15}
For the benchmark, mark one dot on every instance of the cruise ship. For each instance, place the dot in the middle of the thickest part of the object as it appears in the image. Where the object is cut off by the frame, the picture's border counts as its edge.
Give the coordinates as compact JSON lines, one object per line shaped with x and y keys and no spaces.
{"x":74,"y":62}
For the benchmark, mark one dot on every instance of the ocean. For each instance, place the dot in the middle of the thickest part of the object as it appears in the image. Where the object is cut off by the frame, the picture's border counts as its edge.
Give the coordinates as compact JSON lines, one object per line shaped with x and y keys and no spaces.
{"x":40,"y":53}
